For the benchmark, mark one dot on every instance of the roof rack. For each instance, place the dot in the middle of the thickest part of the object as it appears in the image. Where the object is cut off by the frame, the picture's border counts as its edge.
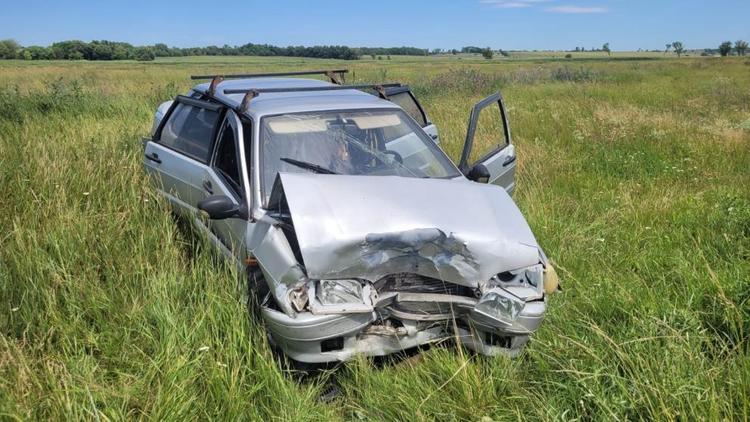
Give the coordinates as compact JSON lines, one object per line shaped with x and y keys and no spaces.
{"x":376,"y":87}
{"x":251,"y":93}
{"x":336,"y":75}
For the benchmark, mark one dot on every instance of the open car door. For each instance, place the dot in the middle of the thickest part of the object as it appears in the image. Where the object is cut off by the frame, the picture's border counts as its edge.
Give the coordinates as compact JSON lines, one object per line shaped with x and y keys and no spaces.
{"x":489,"y":155}
{"x":404,"y":98}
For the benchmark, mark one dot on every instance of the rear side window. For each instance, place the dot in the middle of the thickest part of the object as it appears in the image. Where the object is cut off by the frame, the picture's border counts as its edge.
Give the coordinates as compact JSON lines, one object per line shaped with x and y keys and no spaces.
{"x":190,"y":131}
{"x":227,"y":162}
{"x":410,"y":106}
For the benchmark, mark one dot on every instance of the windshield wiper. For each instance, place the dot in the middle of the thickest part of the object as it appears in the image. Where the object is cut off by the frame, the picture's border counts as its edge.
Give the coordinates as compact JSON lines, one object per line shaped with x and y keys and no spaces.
{"x":307,"y":166}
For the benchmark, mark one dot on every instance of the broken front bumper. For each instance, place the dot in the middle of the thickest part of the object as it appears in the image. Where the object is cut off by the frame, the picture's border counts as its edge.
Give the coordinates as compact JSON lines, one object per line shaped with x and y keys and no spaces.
{"x":326,"y":338}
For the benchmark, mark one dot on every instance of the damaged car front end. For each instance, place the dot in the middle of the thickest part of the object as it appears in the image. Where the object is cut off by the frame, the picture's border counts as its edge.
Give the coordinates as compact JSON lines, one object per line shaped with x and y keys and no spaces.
{"x":374,"y":285}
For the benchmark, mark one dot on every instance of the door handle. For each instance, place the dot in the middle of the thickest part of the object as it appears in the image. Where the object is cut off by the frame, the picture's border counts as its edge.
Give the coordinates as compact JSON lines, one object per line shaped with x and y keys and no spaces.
{"x":153,"y":157}
{"x":208,"y":187}
{"x":509,"y":160}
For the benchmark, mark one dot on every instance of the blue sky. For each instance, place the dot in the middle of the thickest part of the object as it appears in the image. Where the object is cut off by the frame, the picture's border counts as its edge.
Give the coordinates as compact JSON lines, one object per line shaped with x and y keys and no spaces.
{"x":506,"y":24}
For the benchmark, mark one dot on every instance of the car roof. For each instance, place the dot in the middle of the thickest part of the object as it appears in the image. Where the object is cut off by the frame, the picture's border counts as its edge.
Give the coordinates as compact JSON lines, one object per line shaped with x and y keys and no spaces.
{"x":294,"y":102}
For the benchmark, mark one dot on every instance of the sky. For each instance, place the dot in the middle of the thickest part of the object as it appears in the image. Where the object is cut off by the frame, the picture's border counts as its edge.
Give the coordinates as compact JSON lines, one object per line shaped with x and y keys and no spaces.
{"x":446,"y":24}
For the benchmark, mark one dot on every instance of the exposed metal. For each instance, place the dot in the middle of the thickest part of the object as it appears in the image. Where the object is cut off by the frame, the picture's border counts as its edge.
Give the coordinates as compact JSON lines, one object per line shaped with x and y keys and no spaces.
{"x":337,"y":78}
{"x":380,"y":89}
{"x":246,"y":101}
{"x":214,"y":83}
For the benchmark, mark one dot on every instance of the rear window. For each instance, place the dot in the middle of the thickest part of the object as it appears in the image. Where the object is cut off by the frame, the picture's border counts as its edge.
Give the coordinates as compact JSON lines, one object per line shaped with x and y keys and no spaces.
{"x":189,"y":131}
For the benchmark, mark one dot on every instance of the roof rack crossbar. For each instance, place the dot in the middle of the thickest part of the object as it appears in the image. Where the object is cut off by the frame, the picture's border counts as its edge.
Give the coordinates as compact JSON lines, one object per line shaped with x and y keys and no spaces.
{"x":329,"y":73}
{"x":377,"y":87}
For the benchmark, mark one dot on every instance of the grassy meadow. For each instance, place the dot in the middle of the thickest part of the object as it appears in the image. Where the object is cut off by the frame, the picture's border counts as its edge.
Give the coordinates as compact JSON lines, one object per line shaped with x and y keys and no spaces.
{"x":634,"y":175}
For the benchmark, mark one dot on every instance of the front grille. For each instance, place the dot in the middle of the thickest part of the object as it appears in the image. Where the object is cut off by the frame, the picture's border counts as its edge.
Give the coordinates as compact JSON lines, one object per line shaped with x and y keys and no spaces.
{"x":413,"y":283}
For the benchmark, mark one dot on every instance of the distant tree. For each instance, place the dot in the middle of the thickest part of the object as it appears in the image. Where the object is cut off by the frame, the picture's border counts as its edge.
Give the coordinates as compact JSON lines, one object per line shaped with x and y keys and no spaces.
{"x":605,"y":48}
{"x":161,"y":50}
{"x":36,"y":52}
{"x":144,"y":54}
{"x":741,"y":47}
{"x":487,"y":53}
{"x":101,"y":52}
{"x":471,"y":50}
{"x":678,"y":48}
{"x":666,"y":50}
{"x":71,"y":50}
{"x":568,"y":56}
{"x":9,"y":49}
{"x":725,"y":48}
{"x":578,"y":49}
{"x":454,"y":51}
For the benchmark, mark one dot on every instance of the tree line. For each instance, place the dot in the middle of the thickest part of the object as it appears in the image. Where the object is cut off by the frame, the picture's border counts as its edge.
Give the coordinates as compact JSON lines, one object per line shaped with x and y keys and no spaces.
{"x":740,"y":47}
{"x":114,"y":50}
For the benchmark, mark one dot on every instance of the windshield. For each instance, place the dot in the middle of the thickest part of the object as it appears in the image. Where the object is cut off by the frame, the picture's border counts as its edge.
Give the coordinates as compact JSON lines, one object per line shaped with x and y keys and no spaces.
{"x":382,"y":143}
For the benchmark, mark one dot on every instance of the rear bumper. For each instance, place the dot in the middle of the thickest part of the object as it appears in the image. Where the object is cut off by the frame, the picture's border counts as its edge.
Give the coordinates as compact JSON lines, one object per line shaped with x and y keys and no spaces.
{"x":329,"y":338}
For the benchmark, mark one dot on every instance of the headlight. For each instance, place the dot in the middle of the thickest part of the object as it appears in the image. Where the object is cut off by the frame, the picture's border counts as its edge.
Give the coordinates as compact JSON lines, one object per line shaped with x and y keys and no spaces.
{"x":340,"y":296}
{"x":500,"y":305}
{"x":333,"y":292}
{"x":525,"y":283}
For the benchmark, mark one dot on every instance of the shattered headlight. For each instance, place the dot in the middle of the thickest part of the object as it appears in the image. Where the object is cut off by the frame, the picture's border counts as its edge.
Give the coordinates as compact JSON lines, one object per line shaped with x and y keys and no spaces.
{"x":525,"y":283}
{"x":333,"y":292}
{"x":500,"y":305}
{"x":340,"y":296}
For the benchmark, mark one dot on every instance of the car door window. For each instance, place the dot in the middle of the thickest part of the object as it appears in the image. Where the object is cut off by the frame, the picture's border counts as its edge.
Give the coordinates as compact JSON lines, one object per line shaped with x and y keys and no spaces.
{"x":489,"y":135}
{"x":227,"y":162}
{"x":190,"y":130}
{"x":402,"y":97}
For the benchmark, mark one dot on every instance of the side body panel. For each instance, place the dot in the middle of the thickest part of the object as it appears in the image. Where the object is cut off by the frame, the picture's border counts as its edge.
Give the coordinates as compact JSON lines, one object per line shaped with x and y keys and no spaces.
{"x":176,"y":176}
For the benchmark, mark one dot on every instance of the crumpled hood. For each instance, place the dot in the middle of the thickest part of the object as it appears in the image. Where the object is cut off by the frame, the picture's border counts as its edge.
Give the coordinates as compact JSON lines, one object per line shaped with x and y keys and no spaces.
{"x":372,"y":226}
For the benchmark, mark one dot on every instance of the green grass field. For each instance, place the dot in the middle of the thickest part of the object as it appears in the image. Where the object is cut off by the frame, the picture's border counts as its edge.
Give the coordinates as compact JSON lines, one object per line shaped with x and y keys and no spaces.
{"x":634,"y":175}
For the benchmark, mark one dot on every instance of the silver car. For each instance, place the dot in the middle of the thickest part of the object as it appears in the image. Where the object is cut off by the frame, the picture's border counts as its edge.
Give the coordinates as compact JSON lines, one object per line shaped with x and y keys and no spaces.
{"x":353,"y":225}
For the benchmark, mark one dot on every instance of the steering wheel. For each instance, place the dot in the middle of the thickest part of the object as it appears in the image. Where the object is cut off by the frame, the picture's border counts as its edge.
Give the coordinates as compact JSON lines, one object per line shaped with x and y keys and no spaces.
{"x":396,"y":156}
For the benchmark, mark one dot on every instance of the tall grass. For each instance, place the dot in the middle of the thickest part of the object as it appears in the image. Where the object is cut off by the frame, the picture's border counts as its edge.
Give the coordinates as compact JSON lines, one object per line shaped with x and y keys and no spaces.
{"x":633,"y":175}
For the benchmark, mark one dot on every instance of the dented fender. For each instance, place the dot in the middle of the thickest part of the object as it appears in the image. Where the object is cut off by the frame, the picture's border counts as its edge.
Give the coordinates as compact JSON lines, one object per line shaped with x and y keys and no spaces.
{"x":270,"y":247}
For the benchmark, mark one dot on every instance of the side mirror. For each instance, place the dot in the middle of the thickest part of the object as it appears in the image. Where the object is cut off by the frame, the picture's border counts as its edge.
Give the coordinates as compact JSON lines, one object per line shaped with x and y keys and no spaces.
{"x":479,"y":174}
{"x":220,"y":207}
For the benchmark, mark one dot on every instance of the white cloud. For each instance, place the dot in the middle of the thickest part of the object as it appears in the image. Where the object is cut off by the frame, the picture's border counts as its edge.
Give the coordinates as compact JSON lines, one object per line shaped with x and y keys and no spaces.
{"x":576,"y":9}
{"x":511,"y":4}
{"x":519,"y":4}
